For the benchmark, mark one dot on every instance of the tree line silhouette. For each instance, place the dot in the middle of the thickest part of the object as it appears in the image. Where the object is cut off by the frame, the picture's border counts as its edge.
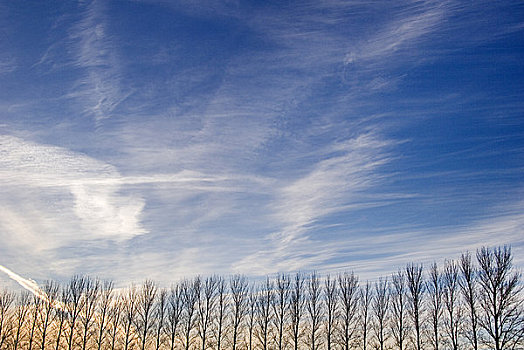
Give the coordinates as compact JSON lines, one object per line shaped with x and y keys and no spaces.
{"x":468,"y":303}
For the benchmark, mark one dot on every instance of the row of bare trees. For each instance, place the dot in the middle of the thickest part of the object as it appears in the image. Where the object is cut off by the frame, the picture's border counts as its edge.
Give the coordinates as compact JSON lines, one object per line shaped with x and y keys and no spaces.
{"x":464,"y":304}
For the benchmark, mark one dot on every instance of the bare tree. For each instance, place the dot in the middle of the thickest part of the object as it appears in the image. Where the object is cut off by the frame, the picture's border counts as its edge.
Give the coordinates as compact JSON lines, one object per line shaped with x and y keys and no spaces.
{"x":6,"y":301}
{"x":161,"y":313}
{"x":252,"y":313}
{"x":74,"y":305}
{"x":116,"y":310}
{"x":459,"y":300}
{"x":22,"y":308}
{"x":280,"y":303}
{"x":130,"y":310}
{"x":90,"y":300}
{"x":222,"y":305}
{"x":104,"y":307}
{"x":190,"y":292}
{"x":61,"y":314}
{"x":469,"y":290}
{"x":380,"y":311}
{"x":50,"y":296}
{"x":314,"y":308}
{"x":331,"y":306}
{"x":206,"y":308}
{"x":398,"y":309}
{"x":264,"y":313}
{"x":239,"y":289}
{"x":175,"y":313}
{"x":453,"y":308}
{"x":503,"y":313}
{"x":366,"y":298}
{"x":145,"y":309}
{"x":297,"y":302}
{"x":435,"y":289}
{"x":349,"y":303}
{"x":416,"y":292}
{"x":37,"y":306}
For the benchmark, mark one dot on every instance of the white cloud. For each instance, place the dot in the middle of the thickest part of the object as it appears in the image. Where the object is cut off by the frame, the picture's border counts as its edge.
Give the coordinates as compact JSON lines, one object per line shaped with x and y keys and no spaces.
{"x":7,"y":65}
{"x":331,"y":185}
{"x":245,"y":143}
{"x":99,"y":90}
{"x":97,"y":188}
{"x":94,"y":186}
{"x":59,"y":207}
{"x":382,"y":253}
{"x":334,"y":184}
{"x":402,"y":32}
{"x":25,"y":283}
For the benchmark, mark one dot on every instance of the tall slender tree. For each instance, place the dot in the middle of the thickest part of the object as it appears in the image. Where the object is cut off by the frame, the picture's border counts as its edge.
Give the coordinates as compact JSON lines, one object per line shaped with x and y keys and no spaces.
{"x":416,"y":290}
{"x":435,"y":289}
{"x":453,"y":309}
{"x":47,"y":316}
{"x":61,"y":315}
{"x":145,"y":310}
{"x":130,"y":310}
{"x":264,"y":313}
{"x":190,"y":292}
{"x":175,"y":313}
{"x":252,"y":316}
{"x":380,"y":306}
{"x":314,"y":309}
{"x":469,"y":289}
{"x":74,"y":305}
{"x":206,"y":308}
{"x":222,"y":309}
{"x":116,"y":311}
{"x":349,"y":303}
{"x":331,"y":309}
{"x":398,"y":309}
{"x":22,"y":307}
{"x":104,"y":307}
{"x":239,"y":288}
{"x":280,"y":303}
{"x":297,"y":303}
{"x":89,"y":302}
{"x":366,"y":299}
{"x":502,"y":305}
{"x":160,"y":314}
{"x":6,"y":302}
{"x":37,"y":308}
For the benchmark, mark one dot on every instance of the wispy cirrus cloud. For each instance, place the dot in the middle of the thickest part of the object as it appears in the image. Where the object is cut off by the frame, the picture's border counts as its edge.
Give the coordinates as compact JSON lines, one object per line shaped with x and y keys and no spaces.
{"x":7,"y":65}
{"x":34,"y":168}
{"x":333,"y":184}
{"x":97,"y":186}
{"x":384,"y":252}
{"x":56,"y":202}
{"x":338,"y":182}
{"x":404,"y":32}
{"x":237,"y":122}
{"x":93,"y":48}
{"x":263,"y":137}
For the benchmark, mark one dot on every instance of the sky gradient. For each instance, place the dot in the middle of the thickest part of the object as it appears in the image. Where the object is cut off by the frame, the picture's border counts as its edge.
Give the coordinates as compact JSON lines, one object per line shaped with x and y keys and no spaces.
{"x":163,"y":139}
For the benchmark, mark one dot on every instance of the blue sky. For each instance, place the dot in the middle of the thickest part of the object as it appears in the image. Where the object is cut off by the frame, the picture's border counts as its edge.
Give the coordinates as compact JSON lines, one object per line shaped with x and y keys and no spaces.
{"x":164,"y":139}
